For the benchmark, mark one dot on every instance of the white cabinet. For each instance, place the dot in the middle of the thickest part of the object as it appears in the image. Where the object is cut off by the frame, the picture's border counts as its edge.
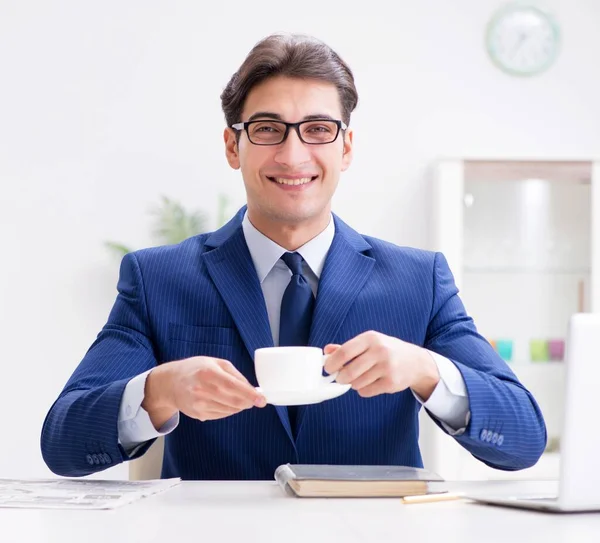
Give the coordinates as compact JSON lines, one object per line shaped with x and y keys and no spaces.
{"x":522,"y":238}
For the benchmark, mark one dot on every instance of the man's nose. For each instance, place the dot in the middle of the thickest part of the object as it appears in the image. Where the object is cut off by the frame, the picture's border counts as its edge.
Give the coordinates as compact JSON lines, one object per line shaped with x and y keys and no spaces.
{"x":292,"y":151}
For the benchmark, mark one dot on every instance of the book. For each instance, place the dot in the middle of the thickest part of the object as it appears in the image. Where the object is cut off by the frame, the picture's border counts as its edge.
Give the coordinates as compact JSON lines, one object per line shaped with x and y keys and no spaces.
{"x":334,"y":481}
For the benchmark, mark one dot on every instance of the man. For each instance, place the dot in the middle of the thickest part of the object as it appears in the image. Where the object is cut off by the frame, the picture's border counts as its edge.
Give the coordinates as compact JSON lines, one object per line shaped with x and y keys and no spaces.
{"x":176,"y":355}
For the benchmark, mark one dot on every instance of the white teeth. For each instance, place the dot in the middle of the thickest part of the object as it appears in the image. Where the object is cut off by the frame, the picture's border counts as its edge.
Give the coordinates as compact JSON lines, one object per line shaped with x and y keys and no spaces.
{"x":283,"y":181}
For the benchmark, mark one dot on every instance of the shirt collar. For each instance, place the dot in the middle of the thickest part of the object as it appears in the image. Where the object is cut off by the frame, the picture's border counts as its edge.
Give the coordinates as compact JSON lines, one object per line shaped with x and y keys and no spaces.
{"x":265,"y":252}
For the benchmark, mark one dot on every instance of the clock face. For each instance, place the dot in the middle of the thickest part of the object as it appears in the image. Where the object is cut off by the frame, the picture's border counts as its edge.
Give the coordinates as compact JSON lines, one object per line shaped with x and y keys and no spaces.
{"x":522,"y":40}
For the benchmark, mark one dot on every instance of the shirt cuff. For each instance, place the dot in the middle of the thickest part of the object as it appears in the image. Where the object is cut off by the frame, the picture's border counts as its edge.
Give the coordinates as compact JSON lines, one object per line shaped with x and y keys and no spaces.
{"x":449,"y":401}
{"x":134,"y":424}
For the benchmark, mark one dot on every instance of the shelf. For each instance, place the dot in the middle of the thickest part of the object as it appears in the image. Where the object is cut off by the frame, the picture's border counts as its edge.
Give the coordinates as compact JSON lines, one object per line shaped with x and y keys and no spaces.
{"x":525,"y":258}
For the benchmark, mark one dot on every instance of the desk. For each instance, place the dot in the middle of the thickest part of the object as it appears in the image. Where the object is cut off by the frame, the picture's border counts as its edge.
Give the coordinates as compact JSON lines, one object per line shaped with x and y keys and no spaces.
{"x":246,"y":512}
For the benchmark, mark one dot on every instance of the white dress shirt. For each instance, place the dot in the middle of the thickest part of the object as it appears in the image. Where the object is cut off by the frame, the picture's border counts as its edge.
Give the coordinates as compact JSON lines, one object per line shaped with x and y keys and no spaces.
{"x":449,"y":402}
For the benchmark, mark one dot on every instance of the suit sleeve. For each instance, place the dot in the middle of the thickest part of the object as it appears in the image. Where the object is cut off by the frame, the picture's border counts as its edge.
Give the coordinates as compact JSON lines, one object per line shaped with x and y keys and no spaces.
{"x":506,"y":429}
{"x":80,"y":432}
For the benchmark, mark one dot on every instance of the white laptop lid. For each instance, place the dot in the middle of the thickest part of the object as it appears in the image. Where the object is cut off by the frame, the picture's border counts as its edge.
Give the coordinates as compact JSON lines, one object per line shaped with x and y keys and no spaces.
{"x":580,"y":436}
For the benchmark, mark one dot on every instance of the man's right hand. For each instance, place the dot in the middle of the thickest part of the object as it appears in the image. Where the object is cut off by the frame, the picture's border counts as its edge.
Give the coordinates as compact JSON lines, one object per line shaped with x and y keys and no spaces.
{"x":201,"y":387}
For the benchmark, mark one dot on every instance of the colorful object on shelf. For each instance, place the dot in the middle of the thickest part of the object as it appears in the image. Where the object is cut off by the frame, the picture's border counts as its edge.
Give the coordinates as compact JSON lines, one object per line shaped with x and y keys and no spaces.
{"x":538,"y":350}
{"x":492,"y":343}
{"x":504,"y":347}
{"x":556,"y":349}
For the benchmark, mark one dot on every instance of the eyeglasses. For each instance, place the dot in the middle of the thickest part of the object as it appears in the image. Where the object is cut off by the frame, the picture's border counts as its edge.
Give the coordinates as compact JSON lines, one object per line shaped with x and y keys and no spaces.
{"x":313,"y":132}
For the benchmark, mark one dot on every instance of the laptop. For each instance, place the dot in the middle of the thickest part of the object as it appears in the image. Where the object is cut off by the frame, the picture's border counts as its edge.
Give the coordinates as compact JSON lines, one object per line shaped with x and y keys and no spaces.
{"x":579,"y":479}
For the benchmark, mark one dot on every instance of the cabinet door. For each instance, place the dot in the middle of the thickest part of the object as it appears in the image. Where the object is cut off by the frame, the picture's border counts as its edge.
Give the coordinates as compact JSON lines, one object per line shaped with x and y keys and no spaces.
{"x":520,"y":239}
{"x":526,"y":270}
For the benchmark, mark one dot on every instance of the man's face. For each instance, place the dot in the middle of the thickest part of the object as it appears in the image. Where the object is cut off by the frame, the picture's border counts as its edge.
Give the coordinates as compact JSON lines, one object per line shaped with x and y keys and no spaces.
{"x":292,"y":182}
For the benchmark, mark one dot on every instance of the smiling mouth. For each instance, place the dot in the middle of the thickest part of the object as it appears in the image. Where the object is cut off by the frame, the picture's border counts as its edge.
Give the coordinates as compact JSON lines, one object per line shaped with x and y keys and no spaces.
{"x":287,"y":181}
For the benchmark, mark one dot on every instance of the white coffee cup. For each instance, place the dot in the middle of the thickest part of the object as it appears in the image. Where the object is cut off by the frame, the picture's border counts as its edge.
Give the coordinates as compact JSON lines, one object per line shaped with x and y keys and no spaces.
{"x":291,"y":368}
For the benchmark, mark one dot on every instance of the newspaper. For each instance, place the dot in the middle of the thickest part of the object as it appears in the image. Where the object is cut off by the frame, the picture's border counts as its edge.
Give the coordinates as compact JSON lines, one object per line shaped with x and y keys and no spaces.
{"x":77,"y":493}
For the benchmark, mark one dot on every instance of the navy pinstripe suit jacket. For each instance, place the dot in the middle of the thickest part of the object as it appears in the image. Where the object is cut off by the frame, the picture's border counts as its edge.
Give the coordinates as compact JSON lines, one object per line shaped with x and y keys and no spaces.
{"x":202,"y":297}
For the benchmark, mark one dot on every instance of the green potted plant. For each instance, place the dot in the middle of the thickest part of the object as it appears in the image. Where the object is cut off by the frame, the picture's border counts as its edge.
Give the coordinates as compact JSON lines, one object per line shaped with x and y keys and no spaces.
{"x":173,"y":223}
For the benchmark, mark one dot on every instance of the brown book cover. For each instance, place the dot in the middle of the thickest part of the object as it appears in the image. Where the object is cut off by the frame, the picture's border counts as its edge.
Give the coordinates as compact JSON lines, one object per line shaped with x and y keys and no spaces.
{"x":323,"y":481}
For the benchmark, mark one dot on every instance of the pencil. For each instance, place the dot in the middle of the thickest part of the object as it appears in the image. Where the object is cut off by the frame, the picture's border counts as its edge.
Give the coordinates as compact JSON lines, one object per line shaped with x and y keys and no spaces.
{"x":434,"y":497}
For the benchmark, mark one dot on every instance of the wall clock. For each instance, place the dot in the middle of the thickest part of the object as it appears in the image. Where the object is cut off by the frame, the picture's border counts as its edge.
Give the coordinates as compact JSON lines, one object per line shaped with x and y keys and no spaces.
{"x":522,"y":39}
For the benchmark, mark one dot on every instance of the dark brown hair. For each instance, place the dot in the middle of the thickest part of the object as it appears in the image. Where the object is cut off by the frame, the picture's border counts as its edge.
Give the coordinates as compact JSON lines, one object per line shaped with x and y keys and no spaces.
{"x":290,"y":55}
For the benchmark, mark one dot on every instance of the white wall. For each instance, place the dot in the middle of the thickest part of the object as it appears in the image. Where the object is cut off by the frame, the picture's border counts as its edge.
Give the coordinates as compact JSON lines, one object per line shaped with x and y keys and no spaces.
{"x":106,"y":105}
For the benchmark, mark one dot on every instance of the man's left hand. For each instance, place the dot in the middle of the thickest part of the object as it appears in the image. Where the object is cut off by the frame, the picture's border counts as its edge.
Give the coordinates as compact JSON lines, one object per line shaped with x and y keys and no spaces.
{"x":374,"y":364}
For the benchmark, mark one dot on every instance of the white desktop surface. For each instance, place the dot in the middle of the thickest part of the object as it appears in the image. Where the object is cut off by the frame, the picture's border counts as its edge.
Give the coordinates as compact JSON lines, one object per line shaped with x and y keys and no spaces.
{"x":245,"y":512}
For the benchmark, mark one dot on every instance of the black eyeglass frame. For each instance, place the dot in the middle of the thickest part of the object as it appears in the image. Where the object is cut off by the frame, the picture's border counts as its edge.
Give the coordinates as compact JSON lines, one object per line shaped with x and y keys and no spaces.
{"x":341,"y":125}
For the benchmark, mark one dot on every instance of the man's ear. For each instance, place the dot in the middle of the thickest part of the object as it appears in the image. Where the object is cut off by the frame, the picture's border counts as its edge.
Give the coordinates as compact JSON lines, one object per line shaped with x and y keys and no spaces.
{"x":231,"y":148}
{"x":347,"y":150}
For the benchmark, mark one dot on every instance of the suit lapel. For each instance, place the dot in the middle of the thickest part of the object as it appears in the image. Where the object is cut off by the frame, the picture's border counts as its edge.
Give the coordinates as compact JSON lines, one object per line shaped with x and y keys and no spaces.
{"x":232,"y":271}
{"x":231,"y":268}
{"x":345,"y":272}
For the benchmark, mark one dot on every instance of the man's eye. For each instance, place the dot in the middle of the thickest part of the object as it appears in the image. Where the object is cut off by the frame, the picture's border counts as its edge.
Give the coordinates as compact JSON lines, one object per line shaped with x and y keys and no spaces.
{"x":269,"y":128}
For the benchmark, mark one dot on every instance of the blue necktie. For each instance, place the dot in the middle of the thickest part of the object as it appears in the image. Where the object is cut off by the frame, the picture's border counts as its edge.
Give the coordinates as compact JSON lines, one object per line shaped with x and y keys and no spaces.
{"x":296,"y":305}
{"x":296,"y":313}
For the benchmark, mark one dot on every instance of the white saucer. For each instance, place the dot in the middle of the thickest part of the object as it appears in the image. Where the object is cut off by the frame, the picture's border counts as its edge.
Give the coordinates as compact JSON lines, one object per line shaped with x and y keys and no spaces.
{"x":304,"y":397}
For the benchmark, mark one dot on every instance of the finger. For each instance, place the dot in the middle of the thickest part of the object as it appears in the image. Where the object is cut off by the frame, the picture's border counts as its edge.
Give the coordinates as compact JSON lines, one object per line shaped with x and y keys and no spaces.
{"x":215,"y":414}
{"x":347,"y":352}
{"x":229,"y":372}
{"x":234,"y":392}
{"x":227,"y":397}
{"x":215,"y":399}
{"x":331,"y":348}
{"x":367,"y":378}
{"x":374,"y":389}
{"x":231,"y":369}
{"x":205,"y":407}
{"x":356,"y":368}
{"x":328,"y":350}
{"x":258,"y":399}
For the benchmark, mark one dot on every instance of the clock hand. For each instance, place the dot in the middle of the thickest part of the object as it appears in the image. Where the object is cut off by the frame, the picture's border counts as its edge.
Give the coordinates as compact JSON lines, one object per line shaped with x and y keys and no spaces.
{"x":522,"y":40}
